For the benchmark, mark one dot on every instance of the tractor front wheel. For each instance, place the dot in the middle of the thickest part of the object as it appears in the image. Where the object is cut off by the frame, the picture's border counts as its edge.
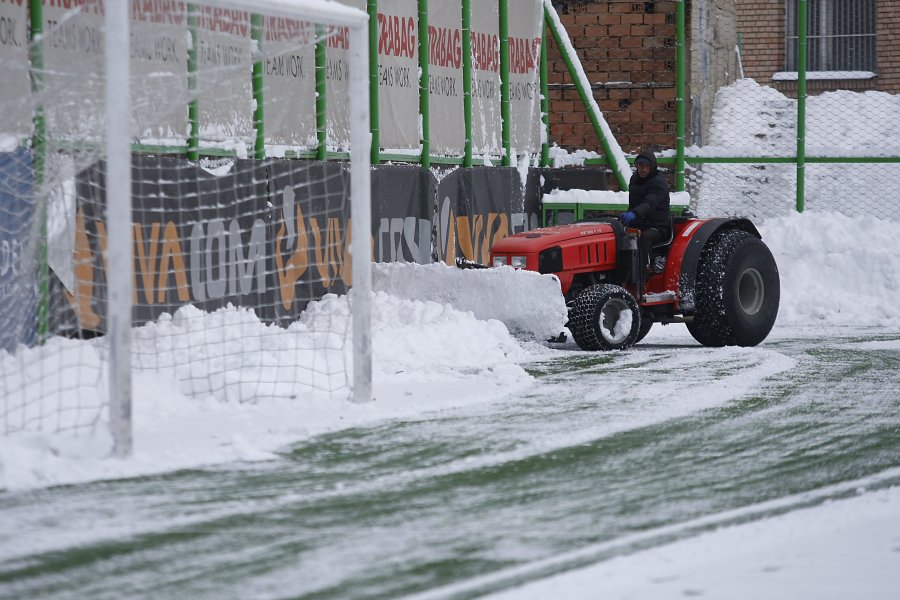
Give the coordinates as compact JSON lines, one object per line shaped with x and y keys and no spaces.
{"x":605,"y":317}
{"x":737,"y":293}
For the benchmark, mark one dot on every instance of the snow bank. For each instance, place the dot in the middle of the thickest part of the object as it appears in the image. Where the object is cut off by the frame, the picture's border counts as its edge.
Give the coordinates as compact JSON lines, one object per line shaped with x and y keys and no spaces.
{"x":251,"y":388}
{"x":528,"y":303}
{"x":835,"y":269}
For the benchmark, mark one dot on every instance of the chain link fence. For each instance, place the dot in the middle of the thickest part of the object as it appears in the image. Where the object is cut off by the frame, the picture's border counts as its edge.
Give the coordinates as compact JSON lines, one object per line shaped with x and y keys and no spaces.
{"x":757,"y":150}
{"x":750,"y":167}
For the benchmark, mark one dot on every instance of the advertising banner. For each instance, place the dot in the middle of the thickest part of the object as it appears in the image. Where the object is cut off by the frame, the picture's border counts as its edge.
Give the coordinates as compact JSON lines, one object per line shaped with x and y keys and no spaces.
{"x":337,"y":72}
{"x":159,"y":71}
{"x":445,"y":79}
{"x":270,"y":235}
{"x":289,"y":82}
{"x":310,"y":234}
{"x":15,"y":90}
{"x":477,"y":207}
{"x":73,"y":55}
{"x":402,"y":211}
{"x":224,"y":78}
{"x":198,"y":238}
{"x":526,"y":18}
{"x":398,"y":74}
{"x":486,"y":123}
{"x":18,"y":284}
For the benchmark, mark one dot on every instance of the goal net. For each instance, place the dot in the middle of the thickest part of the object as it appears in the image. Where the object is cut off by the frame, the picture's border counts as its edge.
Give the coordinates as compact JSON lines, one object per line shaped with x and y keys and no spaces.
{"x":166,"y":209}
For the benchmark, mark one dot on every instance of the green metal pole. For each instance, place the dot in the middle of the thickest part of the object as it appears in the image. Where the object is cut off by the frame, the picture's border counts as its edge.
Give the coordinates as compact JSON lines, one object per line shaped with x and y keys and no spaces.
{"x":586,"y":98}
{"x":373,"y":80}
{"x":504,"y":82}
{"x":545,"y":101}
{"x":38,"y":158}
{"x":424,"y":101}
{"x":801,"y":104}
{"x":321,"y":95}
{"x":193,"y":150}
{"x":680,"y":70}
{"x":256,"y":32}
{"x":467,"y":79}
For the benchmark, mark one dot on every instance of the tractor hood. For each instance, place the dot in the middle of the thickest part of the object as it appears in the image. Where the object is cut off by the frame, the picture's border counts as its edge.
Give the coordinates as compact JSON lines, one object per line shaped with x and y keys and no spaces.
{"x":530,"y":241}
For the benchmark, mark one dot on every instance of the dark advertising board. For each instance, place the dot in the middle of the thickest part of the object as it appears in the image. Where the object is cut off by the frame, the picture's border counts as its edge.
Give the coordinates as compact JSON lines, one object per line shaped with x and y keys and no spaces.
{"x":479,"y":206}
{"x":402,"y":208}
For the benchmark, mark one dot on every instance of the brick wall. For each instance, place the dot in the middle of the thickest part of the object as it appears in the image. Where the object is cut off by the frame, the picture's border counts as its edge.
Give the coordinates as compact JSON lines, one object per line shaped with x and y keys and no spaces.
{"x":888,"y":46}
{"x":627,"y":50}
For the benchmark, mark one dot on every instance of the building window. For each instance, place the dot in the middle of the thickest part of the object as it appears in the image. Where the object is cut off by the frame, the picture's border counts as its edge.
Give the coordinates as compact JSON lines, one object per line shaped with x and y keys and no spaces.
{"x":840,"y":35}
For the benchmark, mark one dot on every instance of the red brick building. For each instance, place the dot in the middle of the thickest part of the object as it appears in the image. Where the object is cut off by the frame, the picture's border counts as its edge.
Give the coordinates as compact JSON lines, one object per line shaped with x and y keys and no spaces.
{"x":764,"y":26}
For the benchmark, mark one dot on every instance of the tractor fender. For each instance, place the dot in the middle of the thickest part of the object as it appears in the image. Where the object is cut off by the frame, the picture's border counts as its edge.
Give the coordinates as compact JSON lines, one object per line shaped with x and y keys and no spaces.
{"x":693,"y":247}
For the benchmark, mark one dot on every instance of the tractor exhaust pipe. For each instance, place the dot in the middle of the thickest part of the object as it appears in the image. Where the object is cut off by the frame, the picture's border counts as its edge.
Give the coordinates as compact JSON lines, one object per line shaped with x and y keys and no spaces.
{"x":630,"y":246}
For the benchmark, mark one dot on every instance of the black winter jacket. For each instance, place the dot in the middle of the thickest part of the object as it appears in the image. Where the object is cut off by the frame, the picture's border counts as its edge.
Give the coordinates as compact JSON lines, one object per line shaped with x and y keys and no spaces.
{"x":648,"y":197}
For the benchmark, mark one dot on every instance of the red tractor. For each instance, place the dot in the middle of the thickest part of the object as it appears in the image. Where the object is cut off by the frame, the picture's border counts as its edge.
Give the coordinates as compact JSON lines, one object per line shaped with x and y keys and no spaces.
{"x":719,"y":278}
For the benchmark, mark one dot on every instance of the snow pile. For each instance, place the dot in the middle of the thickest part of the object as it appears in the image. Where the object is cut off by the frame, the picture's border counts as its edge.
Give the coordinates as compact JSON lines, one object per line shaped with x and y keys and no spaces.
{"x":528,"y":303}
{"x":835,"y":270}
{"x":249,"y":388}
{"x":759,"y":120}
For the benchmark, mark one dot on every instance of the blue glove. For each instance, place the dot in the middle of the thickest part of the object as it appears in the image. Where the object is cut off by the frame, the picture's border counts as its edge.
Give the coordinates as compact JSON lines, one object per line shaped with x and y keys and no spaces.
{"x":628,"y":218}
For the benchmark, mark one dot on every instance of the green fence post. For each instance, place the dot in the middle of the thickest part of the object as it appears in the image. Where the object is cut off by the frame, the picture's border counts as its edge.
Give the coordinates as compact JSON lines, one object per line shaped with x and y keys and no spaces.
{"x":504,"y":82}
{"x":467,"y":79}
{"x":321,"y":94}
{"x":193,"y":149}
{"x":424,"y":101}
{"x":545,"y":100}
{"x":680,"y":68}
{"x":372,"y":8}
{"x":38,"y":159}
{"x":256,"y":32}
{"x":801,"y":104}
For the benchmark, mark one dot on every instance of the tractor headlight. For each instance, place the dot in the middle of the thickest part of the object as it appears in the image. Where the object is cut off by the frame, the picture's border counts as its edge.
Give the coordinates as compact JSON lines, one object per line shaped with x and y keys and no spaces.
{"x":500,"y":261}
{"x":518,"y":262}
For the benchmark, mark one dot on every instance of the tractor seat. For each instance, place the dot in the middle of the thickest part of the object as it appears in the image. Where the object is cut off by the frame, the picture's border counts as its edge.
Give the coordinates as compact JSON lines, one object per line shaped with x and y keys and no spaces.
{"x":667,"y":242}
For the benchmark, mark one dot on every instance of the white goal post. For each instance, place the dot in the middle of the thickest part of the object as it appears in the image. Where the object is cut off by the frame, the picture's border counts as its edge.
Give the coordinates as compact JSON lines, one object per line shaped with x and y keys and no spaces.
{"x":183,"y":225}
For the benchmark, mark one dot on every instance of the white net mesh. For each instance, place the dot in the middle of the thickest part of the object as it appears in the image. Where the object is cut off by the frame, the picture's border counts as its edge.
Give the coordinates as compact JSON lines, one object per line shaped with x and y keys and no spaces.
{"x":241,"y":256}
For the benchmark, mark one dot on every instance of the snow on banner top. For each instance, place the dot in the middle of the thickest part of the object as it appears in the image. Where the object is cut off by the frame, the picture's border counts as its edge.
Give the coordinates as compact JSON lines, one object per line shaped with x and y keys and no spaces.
{"x":678,"y":199}
{"x":320,"y":11}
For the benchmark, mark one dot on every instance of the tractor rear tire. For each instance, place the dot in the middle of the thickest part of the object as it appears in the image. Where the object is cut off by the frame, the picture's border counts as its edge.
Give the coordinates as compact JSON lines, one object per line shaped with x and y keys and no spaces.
{"x":646,"y":324}
{"x":605,"y":317}
{"x":737,"y":291}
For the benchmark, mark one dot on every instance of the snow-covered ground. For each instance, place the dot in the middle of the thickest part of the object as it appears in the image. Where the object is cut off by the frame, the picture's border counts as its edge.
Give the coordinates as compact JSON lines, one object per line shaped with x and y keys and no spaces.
{"x":847,"y":548}
{"x":443,"y":338}
{"x":829,"y":281}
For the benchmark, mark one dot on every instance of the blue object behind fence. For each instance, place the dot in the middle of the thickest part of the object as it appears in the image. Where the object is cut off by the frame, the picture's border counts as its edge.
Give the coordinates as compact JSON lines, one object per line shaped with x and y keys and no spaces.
{"x":18,"y":281}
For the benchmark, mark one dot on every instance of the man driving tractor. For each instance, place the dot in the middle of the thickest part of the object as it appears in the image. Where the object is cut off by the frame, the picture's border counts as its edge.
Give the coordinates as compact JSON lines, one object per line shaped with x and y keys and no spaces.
{"x":648,"y":208}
